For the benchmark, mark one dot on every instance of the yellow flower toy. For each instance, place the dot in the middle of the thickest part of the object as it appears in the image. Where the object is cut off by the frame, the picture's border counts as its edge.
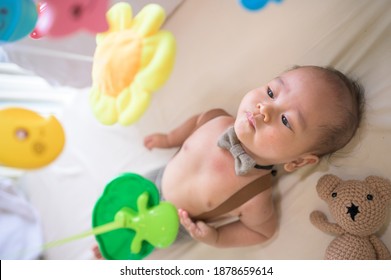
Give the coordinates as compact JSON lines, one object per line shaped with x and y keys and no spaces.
{"x":132,"y":60}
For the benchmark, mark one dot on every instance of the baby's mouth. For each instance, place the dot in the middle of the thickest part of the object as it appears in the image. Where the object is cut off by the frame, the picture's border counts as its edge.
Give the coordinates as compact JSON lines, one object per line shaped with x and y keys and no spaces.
{"x":250,"y":118}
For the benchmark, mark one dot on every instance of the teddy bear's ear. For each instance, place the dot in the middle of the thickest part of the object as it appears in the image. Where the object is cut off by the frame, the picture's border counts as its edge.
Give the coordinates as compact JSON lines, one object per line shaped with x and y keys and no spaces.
{"x":326,"y":184}
{"x":382,"y":185}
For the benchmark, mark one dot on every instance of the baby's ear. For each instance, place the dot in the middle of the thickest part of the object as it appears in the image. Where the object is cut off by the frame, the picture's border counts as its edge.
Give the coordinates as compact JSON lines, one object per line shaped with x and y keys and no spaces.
{"x":300,"y":162}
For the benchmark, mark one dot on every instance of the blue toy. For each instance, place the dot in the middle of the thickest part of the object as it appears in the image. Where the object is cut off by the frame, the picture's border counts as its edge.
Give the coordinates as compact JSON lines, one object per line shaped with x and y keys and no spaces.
{"x":17,"y":19}
{"x":255,"y":5}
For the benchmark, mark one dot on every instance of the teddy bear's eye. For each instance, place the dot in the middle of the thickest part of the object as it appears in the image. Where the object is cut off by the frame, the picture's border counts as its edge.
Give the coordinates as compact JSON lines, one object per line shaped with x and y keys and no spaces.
{"x":334,"y":194}
{"x":370,"y":197}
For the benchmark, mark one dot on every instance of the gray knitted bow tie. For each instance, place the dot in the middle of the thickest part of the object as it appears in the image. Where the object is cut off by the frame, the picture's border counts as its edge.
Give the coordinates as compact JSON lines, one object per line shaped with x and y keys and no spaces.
{"x":243,"y":162}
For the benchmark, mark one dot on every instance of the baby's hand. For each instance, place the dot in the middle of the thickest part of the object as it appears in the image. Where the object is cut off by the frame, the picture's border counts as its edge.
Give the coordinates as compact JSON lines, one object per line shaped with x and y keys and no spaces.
{"x":97,"y":253}
{"x":198,"y":230}
{"x":157,"y":140}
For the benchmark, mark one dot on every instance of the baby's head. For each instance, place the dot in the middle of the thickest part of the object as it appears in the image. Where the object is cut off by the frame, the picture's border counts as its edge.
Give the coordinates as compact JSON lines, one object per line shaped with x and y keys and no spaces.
{"x":348,"y":110}
{"x":300,"y":116}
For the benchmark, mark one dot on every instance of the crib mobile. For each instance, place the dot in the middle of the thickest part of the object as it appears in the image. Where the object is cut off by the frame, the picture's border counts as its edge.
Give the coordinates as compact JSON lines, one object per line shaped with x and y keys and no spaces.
{"x":128,"y":220}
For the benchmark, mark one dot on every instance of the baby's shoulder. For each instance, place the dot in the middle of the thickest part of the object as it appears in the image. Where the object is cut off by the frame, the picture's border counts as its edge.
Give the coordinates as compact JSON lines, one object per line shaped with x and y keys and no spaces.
{"x":213,"y":115}
{"x":221,"y":121}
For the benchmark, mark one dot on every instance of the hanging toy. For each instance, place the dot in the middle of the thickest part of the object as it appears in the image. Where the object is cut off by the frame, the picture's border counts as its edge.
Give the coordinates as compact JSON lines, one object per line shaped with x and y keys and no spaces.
{"x":133,"y":203}
{"x":255,"y":5}
{"x":129,"y":221}
{"x":132,"y":60}
{"x":17,"y":19}
{"x":28,"y":140}
{"x":58,"y":18}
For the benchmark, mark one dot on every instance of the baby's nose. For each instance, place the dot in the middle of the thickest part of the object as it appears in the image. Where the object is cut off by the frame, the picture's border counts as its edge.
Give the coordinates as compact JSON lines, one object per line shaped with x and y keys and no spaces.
{"x":264,"y":110}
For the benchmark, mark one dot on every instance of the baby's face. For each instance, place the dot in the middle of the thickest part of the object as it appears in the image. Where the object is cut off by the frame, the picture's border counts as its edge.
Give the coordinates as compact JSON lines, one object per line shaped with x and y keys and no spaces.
{"x":280,"y":122}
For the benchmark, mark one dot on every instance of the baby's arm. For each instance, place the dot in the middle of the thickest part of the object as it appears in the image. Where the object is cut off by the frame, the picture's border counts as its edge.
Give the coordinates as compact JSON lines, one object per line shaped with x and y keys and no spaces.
{"x":176,"y":137}
{"x":257,"y":223}
{"x":235,"y":234}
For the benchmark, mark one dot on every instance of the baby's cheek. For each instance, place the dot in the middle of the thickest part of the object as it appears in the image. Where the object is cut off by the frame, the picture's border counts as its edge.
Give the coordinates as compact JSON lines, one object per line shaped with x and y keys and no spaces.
{"x":268,"y":142}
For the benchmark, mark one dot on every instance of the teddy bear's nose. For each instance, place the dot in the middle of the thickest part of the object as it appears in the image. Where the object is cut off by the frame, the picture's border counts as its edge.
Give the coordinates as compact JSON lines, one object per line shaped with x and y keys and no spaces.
{"x":352,"y":210}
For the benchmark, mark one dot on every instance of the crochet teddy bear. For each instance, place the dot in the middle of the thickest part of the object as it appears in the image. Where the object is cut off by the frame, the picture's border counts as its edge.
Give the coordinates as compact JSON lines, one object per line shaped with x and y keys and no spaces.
{"x":360,"y":209}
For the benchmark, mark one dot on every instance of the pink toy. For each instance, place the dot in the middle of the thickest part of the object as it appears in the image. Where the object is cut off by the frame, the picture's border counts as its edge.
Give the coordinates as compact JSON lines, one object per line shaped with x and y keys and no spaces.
{"x":57,"y":18}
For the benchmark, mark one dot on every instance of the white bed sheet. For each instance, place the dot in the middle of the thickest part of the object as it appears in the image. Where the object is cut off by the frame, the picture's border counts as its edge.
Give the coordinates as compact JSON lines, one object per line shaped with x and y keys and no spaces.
{"x":222,"y":52}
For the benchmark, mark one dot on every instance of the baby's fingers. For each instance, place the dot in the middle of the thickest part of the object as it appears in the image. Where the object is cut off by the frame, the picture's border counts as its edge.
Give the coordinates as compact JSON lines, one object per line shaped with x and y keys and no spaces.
{"x":157,"y":140}
{"x":149,"y":142}
{"x":186,"y":221}
{"x":195,"y":229}
{"x":184,"y":218}
{"x":97,"y":253}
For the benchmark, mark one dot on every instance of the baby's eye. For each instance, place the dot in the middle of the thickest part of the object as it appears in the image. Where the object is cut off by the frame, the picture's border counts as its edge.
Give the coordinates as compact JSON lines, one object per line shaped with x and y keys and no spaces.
{"x":270,"y":93}
{"x":285,"y":121}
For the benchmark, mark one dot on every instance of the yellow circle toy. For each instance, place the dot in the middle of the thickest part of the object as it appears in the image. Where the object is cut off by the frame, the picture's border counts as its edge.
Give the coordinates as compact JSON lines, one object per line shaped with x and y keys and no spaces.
{"x":131,"y":61}
{"x":29,"y":140}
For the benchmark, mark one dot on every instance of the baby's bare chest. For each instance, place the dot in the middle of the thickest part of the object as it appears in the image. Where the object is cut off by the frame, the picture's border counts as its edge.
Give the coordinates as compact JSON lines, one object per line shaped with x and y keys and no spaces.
{"x":200,"y":152}
{"x":202,"y":175}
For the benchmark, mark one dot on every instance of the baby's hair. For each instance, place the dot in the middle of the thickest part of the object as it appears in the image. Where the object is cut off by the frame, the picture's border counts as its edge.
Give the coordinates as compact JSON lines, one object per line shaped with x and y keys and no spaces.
{"x":350,"y":93}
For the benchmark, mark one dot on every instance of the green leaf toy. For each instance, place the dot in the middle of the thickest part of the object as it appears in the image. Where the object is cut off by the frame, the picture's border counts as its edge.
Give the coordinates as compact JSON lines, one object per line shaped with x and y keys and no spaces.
{"x":129,"y":207}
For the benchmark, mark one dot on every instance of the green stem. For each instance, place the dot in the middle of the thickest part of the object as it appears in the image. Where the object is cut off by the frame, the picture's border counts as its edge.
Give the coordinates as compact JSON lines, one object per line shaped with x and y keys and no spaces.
{"x":95,"y":231}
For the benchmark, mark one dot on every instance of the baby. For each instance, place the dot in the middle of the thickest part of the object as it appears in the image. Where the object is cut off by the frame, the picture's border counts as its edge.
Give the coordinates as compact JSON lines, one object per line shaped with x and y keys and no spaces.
{"x":294,"y":120}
